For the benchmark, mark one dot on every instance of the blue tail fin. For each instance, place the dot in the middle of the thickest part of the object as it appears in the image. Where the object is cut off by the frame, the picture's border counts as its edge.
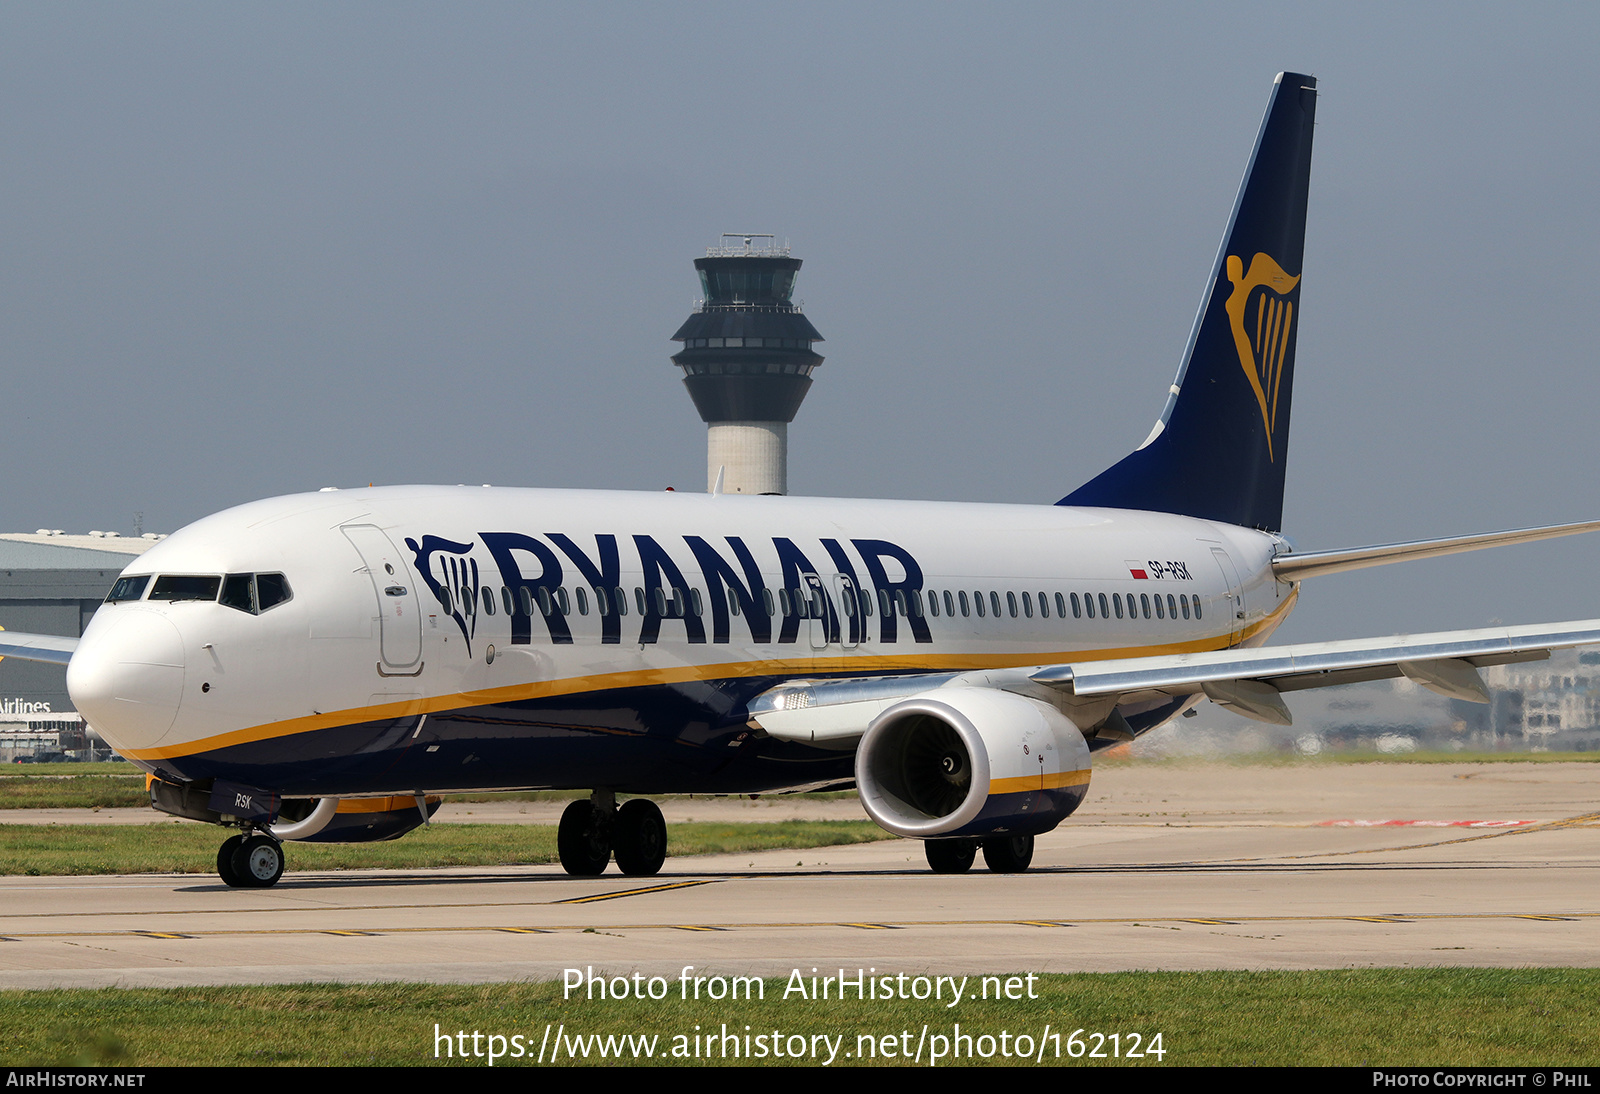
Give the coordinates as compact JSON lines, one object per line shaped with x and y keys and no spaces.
{"x":1220,"y":447}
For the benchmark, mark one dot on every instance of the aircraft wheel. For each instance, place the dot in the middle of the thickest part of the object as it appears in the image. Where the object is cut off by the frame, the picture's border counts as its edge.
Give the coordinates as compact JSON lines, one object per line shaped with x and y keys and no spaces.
{"x":583,"y":843}
{"x":225,"y":862}
{"x":1008,"y":854}
{"x":259,"y":862}
{"x":950,"y":856}
{"x":641,"y":837}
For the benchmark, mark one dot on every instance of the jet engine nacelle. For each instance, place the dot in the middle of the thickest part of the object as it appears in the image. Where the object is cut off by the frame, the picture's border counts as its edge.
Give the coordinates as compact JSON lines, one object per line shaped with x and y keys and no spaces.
{"x":965,"y":761}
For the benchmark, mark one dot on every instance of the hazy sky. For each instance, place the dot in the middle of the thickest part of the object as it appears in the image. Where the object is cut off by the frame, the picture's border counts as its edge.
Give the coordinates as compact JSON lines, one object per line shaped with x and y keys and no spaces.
{"x":255,"y":249}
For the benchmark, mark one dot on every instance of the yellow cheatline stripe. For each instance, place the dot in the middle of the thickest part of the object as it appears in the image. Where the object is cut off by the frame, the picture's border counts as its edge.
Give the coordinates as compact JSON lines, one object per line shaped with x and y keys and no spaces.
{"x":806,"y":666}
{"x":1039,"y":782}
{"x":381,"y":805}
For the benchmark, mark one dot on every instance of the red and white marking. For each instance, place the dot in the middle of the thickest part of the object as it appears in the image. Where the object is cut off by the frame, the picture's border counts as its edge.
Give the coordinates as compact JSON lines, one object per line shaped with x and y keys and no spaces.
{"x":1424,"y":823}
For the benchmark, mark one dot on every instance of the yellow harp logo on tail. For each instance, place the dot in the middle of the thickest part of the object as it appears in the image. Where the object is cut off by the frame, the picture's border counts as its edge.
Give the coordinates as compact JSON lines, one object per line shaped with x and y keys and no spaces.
{"x":1262,"y":322}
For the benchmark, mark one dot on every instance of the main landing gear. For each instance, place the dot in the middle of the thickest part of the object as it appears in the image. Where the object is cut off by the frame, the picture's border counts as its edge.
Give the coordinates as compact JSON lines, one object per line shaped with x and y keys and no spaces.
{"x":1002,"y":854}
{"x":592,"y":830}
{"x":250,"y":861}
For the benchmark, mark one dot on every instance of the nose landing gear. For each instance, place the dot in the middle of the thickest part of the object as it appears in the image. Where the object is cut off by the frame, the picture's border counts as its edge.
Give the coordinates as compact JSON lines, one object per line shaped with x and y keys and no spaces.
{"x":250,"y":861}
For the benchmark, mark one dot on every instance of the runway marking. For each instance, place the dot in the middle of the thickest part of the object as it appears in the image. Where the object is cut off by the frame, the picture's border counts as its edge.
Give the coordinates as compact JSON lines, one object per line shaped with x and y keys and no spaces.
{"x":579,"y":928}
{"x":1423,"y":823}
{"x":352,"y":934}
{"x":637,"y":892}
{"x":1582,"y":820}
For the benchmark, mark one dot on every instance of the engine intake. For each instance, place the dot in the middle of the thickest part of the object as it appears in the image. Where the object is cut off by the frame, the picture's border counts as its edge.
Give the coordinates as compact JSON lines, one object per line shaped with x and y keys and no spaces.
{"x":971,"y":762}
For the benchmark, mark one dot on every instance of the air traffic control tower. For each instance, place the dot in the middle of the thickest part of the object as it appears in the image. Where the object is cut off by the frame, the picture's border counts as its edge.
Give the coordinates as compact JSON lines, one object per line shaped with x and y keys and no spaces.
{"x":747,"y":361}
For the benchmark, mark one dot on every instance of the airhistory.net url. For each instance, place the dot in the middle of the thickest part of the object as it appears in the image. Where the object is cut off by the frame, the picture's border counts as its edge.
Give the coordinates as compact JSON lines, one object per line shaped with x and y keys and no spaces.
{"x":926,"y":1046}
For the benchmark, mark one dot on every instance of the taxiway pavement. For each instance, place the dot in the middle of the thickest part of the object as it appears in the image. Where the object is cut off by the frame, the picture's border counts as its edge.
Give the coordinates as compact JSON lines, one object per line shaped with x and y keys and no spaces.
{"x":1168,"y":866}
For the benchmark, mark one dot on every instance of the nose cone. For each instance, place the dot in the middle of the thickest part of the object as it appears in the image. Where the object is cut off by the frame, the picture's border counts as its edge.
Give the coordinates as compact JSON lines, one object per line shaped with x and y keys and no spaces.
{"x":126,"y":677}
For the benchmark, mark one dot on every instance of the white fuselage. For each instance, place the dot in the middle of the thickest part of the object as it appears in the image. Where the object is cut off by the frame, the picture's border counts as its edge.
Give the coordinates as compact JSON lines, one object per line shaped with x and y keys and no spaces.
{"x":394,"y":664}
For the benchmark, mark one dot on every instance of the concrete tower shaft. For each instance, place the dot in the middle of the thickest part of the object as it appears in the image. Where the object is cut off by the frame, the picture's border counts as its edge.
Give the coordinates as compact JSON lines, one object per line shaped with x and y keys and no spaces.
{"x":747,"y":361}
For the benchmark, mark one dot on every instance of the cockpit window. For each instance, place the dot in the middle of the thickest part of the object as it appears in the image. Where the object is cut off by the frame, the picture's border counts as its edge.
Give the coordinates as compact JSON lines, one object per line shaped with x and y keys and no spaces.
{"x":238,"y":591}
{"x":185,"y":587}
{"x":271,"y":590}
{"x":128,"y":588}
{"x":254,"y":593}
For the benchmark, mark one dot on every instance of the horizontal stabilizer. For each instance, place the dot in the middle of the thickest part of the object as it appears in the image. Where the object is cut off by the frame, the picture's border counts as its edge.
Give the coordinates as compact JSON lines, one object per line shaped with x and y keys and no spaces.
{"x":1323,"y":664}
{"x":53,"y":648}
{"x":1316,"y":563}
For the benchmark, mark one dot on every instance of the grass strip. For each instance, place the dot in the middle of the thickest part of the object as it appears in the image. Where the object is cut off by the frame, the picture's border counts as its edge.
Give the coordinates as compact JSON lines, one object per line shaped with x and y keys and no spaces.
{"x":107,"y":786}
{"x":72,"y":792}
{"x":184,"y":847}
{"x":1355,"y":1017}
{"x":1120,"y":757}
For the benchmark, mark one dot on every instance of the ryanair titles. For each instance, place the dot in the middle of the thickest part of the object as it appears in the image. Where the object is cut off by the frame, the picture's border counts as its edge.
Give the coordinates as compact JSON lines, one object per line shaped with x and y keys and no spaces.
{"x":820,"y":591}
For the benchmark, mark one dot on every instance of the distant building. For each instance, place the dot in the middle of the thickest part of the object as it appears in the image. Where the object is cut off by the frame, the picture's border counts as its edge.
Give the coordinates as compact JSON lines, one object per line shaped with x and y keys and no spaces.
{"x":1552,"y":704}
{"x":51,"y":583}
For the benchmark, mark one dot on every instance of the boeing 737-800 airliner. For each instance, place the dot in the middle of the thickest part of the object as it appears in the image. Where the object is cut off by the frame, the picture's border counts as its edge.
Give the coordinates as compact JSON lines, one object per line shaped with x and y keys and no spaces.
{"x":322,"y":666}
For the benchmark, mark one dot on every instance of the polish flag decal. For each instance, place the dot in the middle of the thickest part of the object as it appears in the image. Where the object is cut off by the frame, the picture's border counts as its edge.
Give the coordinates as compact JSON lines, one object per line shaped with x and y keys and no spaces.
{"x":1138,"y":575}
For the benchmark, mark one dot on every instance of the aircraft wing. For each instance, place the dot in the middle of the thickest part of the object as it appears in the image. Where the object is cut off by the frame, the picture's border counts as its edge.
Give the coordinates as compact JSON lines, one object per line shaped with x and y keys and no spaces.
{"x":1248,"y":682}
{"x":53,"y":648}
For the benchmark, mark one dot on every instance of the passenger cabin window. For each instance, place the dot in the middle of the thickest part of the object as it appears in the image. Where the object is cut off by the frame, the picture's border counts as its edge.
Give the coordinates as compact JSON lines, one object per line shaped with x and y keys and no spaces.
{"x":171,"y":587}
{"x":128,"y":588}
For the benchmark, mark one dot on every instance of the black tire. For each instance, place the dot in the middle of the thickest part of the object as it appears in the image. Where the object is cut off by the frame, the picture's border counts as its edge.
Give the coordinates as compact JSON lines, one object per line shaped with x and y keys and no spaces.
{"x":1008,"y":854}
{"x":640,"y":840}
{"x":259,"y":862}
{"x":225,"y":868}
{"x":582,"y":841}
{"x":950,"y":856}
